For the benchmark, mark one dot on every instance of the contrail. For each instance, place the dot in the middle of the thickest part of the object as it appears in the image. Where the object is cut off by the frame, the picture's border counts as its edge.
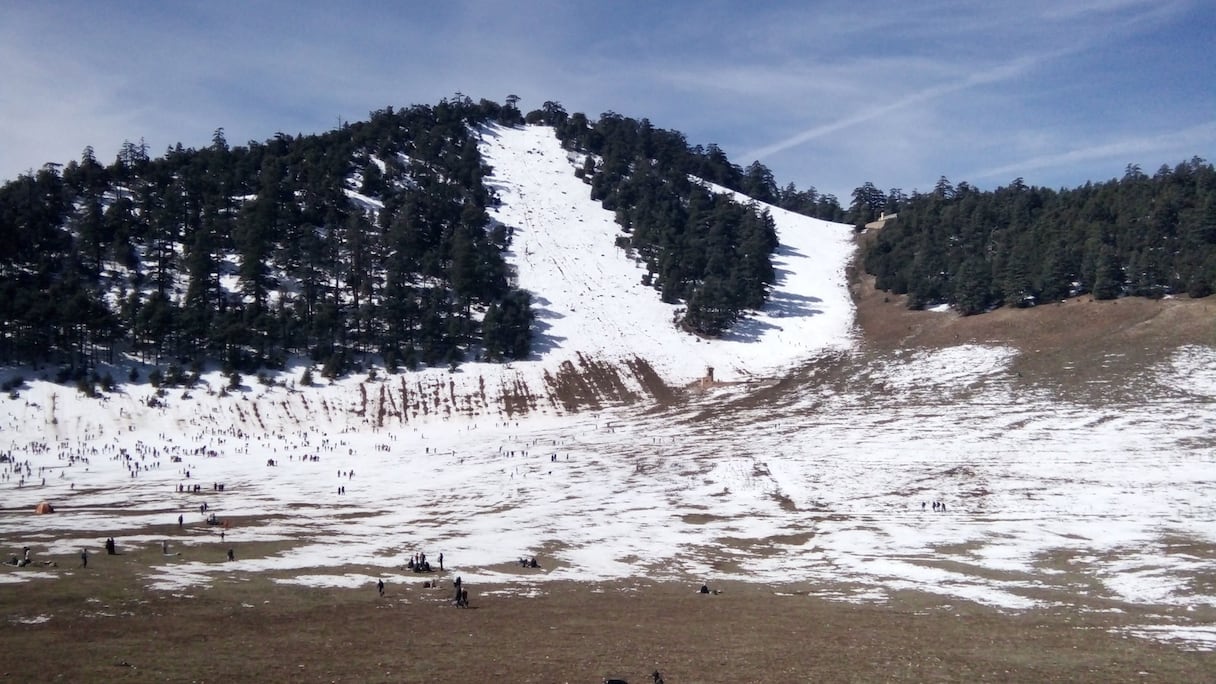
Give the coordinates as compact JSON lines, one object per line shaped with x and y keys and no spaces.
{"x":994,"y":75}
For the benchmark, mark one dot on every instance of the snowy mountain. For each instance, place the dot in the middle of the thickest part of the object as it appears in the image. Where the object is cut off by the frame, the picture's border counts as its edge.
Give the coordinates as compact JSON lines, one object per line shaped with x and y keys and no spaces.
{"x":810,"y":461}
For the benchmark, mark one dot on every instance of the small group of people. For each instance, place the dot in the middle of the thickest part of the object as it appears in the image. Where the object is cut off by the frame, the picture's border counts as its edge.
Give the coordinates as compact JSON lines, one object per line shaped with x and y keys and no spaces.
{"x":84,"y":556}
{"x":937,"y":506}
{"x":528,"y":562}
{"x":461,"y":598}
{"x":111,"y":549}
{"x":419,"y":563}
{"x":26,"y":559}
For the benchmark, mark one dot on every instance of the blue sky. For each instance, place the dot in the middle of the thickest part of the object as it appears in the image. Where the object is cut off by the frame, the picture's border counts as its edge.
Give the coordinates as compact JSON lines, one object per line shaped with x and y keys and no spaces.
{"x":827,"y":94}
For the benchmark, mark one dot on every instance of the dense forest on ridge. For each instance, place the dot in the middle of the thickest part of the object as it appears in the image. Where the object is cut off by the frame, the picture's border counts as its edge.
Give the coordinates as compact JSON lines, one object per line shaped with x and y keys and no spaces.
{"x":1019,"y":245}
{"x":372,"y":239}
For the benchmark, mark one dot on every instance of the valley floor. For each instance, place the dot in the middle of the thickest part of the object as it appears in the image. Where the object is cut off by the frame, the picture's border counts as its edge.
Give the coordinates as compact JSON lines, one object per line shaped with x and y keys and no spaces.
{"x":98,"y":625}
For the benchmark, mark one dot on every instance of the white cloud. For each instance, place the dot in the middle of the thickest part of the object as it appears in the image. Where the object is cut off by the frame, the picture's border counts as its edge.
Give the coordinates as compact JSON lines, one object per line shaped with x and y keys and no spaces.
{"x":830,"y":94}
{"x":1171,"y":144}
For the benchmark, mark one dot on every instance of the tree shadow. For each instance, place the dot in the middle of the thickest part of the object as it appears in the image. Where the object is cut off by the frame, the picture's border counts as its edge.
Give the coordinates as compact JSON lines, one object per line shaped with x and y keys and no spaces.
{"x":790,"y":305}
{"x":781,"y":304}
{"x":542,"y":341}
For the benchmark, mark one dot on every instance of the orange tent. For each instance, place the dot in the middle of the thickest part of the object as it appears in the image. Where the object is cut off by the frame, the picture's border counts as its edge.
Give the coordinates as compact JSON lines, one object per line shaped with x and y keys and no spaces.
{"x":44,"y":507}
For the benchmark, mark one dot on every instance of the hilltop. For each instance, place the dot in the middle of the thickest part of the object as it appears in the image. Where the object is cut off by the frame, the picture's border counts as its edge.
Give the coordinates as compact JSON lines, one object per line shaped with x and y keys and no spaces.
{"x":371,"y":245}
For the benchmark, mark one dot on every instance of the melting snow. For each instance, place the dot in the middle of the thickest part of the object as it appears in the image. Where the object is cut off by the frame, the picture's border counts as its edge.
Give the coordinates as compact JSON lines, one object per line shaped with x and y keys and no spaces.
{"x":823,"y":482}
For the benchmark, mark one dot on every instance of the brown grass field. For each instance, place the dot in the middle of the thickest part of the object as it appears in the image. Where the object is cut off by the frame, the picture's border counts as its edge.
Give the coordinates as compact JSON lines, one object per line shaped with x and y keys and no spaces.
{"x":101,"y":624}
{"x":104,"y":626}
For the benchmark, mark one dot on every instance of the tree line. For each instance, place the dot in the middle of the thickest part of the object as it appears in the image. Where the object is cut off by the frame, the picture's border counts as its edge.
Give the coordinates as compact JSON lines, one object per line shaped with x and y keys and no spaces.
{"x":370,"y":239}
{"x":1020,"y":245}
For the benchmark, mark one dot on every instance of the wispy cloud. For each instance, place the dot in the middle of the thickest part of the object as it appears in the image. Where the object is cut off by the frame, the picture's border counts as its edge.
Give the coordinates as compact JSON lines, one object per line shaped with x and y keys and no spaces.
{"x":828,"y":95}
{"x":881,"y":109}
{"x":1124,"y":150}
{"x":1077,"y":8}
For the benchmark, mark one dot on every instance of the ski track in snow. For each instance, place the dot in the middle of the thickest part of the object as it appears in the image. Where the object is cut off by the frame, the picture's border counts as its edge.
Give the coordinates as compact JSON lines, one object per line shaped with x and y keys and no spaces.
{"x":590,"y":297}
{"x":1048,"y":502}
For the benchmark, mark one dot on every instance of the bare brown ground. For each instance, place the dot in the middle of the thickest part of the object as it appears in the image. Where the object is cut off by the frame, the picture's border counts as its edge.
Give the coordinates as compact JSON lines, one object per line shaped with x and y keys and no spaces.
{"x":1049,"y":337}
{"x":104,"y":625}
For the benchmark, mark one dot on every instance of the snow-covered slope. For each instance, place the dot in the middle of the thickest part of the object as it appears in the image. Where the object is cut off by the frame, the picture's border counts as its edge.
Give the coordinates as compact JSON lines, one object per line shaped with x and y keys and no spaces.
{"x":603,"y":339}
{"x":590,"y":296}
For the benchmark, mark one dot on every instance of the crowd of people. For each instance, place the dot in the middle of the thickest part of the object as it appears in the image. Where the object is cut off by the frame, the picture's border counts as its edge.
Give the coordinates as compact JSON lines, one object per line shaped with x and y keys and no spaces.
{"x":418,"y":562}
{"x":182,"y":462}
